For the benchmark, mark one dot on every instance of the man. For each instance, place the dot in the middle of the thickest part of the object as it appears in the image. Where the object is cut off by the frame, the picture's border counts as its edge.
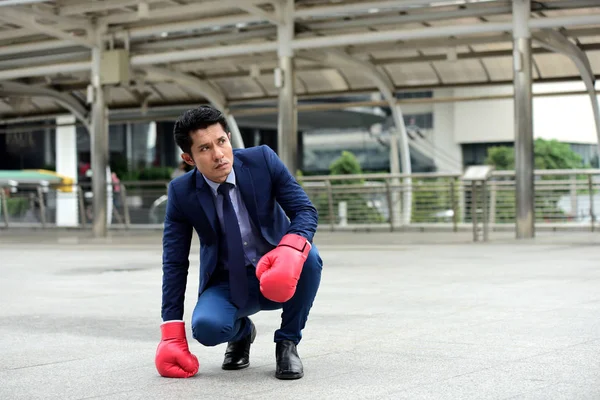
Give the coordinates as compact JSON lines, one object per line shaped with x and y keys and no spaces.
{"x":255,"y":224}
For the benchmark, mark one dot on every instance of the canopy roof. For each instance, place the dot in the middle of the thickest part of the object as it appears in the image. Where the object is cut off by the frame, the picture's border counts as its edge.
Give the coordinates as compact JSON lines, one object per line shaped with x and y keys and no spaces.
{"x":230,"y":47}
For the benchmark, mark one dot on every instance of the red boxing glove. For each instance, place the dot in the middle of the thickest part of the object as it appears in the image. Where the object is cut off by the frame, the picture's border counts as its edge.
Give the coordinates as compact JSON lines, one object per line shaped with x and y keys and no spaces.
{"x":173,"y":358}
{"x":278,"y":271}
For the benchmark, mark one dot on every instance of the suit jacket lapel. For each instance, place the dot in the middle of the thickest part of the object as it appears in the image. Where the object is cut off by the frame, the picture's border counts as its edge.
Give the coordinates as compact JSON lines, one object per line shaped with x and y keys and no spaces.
{"x":206,"y":199}
{"x":245,"y":184}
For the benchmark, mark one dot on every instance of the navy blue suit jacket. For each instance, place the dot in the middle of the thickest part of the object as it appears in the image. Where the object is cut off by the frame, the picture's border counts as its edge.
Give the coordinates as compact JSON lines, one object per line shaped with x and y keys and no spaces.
{"x":271,"y":195}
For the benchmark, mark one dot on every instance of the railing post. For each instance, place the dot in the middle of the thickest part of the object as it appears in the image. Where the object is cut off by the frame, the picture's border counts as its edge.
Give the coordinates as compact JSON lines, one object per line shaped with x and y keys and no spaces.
{"x":330,"y":204}
{"x":474,"y":208}
{"x":390,"y":204}
{"x":453,"y":204}
{"x":4,"y":206}
{"x":40,"y":193}
{"x":82,"y":213}
{"x":591,"y":189}
{"x":125,"y":206}
{"x":493,"y":190}
{"x":484,"y":213}
{"x":462,"y":200}
{"x":573,"y":193}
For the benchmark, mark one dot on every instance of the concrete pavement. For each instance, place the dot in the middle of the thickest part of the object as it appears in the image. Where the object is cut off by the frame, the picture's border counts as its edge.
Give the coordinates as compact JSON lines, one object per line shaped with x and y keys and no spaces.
{"x":398,"y":316}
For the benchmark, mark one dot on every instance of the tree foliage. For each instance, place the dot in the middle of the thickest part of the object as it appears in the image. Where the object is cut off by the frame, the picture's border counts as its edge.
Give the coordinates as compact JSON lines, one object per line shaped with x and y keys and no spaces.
{"x":548,"y":154}
{"x":358,"y":210}
{"x":346,"y":164}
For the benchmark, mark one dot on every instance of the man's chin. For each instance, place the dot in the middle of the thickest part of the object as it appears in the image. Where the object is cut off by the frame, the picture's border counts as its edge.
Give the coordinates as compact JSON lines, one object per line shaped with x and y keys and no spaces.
{"x":224,"y":172}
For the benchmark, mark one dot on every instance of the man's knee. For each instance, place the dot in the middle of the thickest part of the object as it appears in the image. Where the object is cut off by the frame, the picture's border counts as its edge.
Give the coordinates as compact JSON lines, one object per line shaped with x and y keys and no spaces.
{"x":210,"y":331}
{"x":313,"y":263}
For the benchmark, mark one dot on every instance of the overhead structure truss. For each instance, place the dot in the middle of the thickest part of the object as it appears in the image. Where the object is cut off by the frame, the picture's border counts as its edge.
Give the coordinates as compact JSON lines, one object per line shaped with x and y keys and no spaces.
{"x":91,"y":57}
{"x":233,"y":45}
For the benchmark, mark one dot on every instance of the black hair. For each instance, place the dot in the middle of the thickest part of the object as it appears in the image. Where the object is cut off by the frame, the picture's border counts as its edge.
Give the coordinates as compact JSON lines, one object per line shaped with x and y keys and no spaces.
{"x":194,"y":119}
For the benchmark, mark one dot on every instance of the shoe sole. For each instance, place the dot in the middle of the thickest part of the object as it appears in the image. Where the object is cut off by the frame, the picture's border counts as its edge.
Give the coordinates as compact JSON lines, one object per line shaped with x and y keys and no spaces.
{"x":234,"y":368}
{"x":289,"y":377}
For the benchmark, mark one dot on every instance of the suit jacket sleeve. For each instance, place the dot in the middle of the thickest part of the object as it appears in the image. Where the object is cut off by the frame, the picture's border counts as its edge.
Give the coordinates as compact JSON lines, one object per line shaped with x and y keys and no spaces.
{"x":177,"y":239}
{"x":292,"y":197}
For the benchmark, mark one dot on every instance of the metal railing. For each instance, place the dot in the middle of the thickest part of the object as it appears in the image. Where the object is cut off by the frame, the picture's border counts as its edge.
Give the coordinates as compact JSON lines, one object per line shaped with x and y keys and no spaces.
{"x":563,"y":199}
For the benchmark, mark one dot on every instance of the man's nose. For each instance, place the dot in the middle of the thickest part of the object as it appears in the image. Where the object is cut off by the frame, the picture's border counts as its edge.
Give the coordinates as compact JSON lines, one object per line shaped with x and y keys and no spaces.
{"x":218,"y":154}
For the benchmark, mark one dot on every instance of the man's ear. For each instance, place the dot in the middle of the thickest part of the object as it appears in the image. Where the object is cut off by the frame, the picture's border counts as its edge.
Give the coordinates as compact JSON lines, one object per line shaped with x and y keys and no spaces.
{"x":187,"y":159}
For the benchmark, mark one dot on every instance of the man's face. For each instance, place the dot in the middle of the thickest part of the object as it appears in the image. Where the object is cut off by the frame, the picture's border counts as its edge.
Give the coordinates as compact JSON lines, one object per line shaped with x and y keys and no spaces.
{"x":211,"y":153}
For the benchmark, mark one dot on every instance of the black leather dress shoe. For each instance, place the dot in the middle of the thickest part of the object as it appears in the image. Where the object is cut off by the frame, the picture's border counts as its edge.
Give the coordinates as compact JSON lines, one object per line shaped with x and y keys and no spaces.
{"x":237,"y":355}
{"x":289,"y":365}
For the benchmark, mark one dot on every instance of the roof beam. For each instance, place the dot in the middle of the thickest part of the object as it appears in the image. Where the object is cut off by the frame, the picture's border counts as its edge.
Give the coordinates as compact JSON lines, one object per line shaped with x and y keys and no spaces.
{"x":212,"y":94}
{"x":197,"y":24}
{"x":198,"y":54}
{"x":443,"y":32}
{"x":8,"y":34}
{"x":188,"y":10}
{"x":394,"y":18}
{"x":67,"y":101}
{"x":45,"y":70}
{"x":359,"y":8}
{"x":84,"y":65}
{"x":203,"y":40}
{"x":17,"y":62}
{"x":205,"y":89}
{"x":63,"y":22}
{"x":96,"y":6}
{"x":5,"y":3}
{"x":559,"y":43}
{"x":438,"y":32}
{"x":255,"y":10}
{"x":354,"y":39}
{"x":162,"y":112}
{"x":31,"y":47}
{"x":28,"y":21}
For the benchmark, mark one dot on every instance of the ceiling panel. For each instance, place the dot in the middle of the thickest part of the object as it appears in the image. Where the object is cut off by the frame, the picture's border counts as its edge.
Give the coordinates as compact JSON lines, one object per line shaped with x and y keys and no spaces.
{"x":555,"y":65}
{"x":357,"y":79}
{"x":171,"y":91}
{"x":323,"y":80}
{"x":412,"y":74}
{"x":460,"y":71}
{"x":267,"y":81}
{"x":499,"y":68}
{"x":239,"y":87}
{"x":594,"y":57}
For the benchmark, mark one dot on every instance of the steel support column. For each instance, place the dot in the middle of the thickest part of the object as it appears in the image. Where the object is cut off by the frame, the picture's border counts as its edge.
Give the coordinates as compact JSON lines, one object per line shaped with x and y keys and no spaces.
{"x":523,"y":106}
{"x":99,"y":141}
{"x":287,"y":116}
{"x":557,"y":42}
{"x":214,"y":96}
{"x":236,"y":136}
{"x":398,"y":136}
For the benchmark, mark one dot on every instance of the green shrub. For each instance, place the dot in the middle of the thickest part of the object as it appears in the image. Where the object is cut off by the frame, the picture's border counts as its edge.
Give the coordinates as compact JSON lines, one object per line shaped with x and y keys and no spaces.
{"x":358,"y":210}
{"x":17,"y":206}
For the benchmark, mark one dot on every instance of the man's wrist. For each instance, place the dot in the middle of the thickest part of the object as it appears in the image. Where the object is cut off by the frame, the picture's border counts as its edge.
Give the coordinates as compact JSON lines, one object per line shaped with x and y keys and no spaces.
{"x":295,"y":241}
{"x":171,"y":321}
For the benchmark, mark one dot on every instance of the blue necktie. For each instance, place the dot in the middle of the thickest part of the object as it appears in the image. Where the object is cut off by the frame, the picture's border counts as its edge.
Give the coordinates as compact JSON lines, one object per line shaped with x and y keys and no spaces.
{"x":238,"y":281}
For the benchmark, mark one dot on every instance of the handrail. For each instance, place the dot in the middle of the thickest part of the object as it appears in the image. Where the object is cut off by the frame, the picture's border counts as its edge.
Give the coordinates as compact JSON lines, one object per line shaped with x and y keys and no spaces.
{"x":440,"y":200}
